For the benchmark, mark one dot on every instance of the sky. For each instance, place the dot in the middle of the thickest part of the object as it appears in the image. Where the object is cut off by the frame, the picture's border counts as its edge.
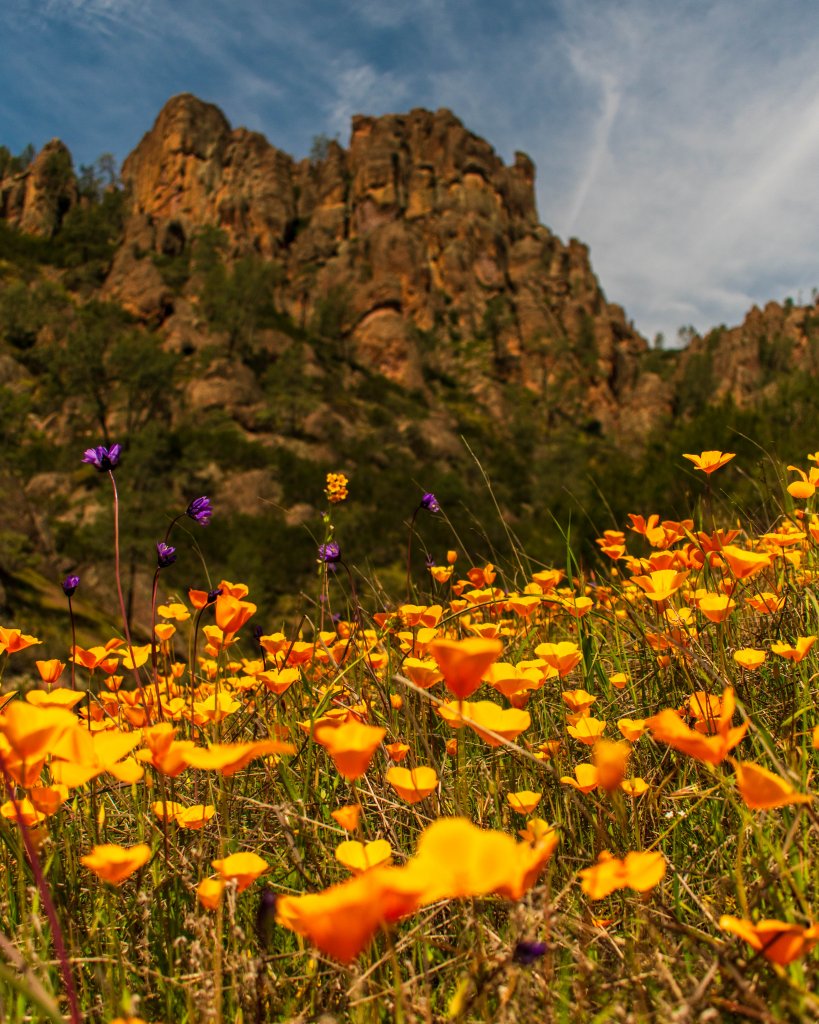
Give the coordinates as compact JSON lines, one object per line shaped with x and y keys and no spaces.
{"x":679,"y":139}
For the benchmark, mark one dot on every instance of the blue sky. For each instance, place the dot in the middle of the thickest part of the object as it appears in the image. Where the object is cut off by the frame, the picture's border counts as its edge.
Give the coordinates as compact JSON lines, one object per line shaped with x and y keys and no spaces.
{"x":678,"y":138}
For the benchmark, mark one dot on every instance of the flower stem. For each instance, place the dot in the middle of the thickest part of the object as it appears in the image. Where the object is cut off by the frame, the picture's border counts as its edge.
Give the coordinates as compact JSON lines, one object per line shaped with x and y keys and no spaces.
{"x":48,"y":906}
{"x":117,"y":573}
{"x":73,"y":645}
{"x":409,"y":547}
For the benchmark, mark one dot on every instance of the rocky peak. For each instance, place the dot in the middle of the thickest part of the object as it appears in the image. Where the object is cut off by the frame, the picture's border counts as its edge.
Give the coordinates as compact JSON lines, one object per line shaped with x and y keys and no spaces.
{"x":424,"y":242}
{"x":36,"y":199}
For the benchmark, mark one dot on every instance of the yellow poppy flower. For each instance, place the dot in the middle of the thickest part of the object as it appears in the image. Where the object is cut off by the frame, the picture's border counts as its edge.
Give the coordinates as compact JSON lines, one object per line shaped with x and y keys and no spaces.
{"x":412,"y":785}
{"x":113,"y":863}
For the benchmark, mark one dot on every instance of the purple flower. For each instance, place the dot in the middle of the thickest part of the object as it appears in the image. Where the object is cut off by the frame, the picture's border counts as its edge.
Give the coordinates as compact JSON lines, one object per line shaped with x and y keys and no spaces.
{"x":104,"y":459}
{"x":70,"y":584}
{"x":430,"y":502}
{"x":200,"y":510}
{"x":526,"y":953}
{"x":329,"y":553}
{"x":266,"y":917}
{"x":213,"y":594}
{"x":165,"y":555}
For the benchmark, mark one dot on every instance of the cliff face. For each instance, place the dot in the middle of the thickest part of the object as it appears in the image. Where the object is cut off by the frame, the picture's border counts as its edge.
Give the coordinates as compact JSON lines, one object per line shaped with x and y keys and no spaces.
{"x":747,"y":363}
{"x":37,"y":199}
{"x":424,"y":243}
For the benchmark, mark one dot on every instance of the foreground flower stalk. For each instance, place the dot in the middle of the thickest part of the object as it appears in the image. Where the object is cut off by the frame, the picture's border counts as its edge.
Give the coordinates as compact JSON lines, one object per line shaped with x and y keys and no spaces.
{"x":69,"y":585}
{"x":48,"y":906}
{"x":429,"y":503}
{"x":106,"y":460}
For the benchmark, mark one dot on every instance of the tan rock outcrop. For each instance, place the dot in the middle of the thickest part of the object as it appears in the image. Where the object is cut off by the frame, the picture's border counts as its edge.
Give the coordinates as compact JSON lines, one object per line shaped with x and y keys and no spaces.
{"x":416,"y":248}
{"x":37,"y":199}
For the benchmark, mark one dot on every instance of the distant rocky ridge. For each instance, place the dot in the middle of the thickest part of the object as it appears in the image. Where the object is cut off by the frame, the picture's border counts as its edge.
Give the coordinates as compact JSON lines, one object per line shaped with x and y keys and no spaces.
{"x":429,"y":252}
{"x":418,"y":232}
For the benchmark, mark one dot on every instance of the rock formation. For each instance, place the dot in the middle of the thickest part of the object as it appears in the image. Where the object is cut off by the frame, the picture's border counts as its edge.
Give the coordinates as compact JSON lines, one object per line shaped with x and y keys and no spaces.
{"x":421,"y":244}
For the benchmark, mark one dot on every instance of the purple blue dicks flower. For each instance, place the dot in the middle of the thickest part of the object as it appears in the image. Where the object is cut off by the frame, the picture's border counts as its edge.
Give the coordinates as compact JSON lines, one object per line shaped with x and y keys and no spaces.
{"x":430,"y":502}
{"x":102,"y":458}
{"x":165,"y":554}
{"x":200,"y":510}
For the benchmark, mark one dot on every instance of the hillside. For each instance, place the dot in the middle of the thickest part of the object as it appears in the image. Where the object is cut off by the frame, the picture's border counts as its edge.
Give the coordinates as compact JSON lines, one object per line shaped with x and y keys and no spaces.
{"x":244,"y":322}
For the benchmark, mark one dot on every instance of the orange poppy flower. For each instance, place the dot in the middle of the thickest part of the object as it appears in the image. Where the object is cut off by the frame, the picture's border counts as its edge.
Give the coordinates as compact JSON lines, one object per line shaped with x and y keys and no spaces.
{"x":632,"y":728}
{"x":798,"y":651}
{"x":587,"y":730}
{"x":166,"y":810}
{"x":548,"y":579}
{"x":341,"y":920}
{"x":806,"y":486}
{"x":585,"y":778}
{"x":710,"y":462}
{"x":619,"y":680}
{"x":457,"y":859}
{"x":423,"y":673}
{"x":82,"y":756}
{"x":95,"y":657}
{"x":744,"y":564}
{"x":667,"y":727}
{"x":397,"y":751}
{"x":576,"y":606}
{"x":463,"y":662}
{"x":174,"y":610}
{"x":766,"y":603}
{"x":22,"y":811}
{"x":777,"y":941}
{"x":164,"y":752}
{"x":32,"y":732}
{"x":279,"y":680}
{"x":14,"y":640}
{"x":413,"y":785}
{"x":198,"y":599}
{"x":243,"y":868}
{"x":562,"y":657}
{"x":358,"y":857}
{"x":113,"y":863}
{"x":50,"y":671}
{"x":640,"y":871}
{"x":232,"y":613}
{"x":194,"y":817}
{"x":347,"y":816}
{"x":749,"y":658}
{"x":441,"y":573}
{"x":634,"y":787}
{"x":716,"y":607}
{"x":229,"y":758}
{"x":136,"y":657}
{"x":351,"y":746}
{"x":660,"y":584}
{"x":523,"y":802}
{"x":209,"y":892}
{"x":761,"y":789}
{"x":484,"y":577}
{"x":511,"y":680}
{"x":163,"y":631}
{"x":523,"y":604}
{"x":609,"y":758}
{"x":491,"y":722}
{"x":579,"y":701}
{"x":59,"y":698}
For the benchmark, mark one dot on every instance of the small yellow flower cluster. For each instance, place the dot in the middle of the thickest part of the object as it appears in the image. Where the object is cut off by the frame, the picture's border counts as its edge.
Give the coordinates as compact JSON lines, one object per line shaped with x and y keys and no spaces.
{"x":336,"y":488}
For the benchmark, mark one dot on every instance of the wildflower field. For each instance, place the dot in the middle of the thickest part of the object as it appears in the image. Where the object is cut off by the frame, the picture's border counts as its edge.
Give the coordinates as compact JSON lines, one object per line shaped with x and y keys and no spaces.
{"x":509,"y":792}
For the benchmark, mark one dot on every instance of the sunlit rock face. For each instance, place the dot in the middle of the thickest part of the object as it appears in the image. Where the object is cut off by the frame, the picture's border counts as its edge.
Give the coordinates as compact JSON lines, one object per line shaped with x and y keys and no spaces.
{"x":423,"y":245}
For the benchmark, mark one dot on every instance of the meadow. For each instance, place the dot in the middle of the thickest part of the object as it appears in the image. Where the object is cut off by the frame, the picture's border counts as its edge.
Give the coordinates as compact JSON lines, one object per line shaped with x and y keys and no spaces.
{"x":507,"y":792}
